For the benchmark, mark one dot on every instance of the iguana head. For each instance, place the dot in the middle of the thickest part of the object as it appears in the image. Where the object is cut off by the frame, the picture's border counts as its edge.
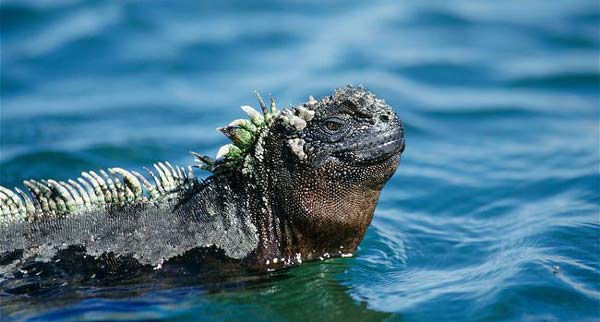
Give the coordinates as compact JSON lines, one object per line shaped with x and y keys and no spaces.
{"x":320,"y":167}
{"x":351,"y":132}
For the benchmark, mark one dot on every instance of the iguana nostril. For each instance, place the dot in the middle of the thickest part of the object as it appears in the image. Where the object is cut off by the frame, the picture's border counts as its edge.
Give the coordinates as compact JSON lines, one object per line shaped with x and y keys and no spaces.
{"x":384,"y":118}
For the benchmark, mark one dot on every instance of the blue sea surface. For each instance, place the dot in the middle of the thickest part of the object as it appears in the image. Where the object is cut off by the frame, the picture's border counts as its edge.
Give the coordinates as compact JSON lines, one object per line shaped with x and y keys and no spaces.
{"x":493,"y":214}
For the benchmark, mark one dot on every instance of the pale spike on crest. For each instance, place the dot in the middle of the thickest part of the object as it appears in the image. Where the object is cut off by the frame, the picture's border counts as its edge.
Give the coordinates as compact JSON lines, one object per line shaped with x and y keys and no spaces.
{"x":6,"y":201}
{"x":273,"y":106}
{"x":91,"y":190}
{"x":14,"y":198}
{"x":164,"y":176}
{"x":253,"y":114}
{"x":262,"y":104}
{"x":29,"y":206}
{"x":105,"y":192}
{"x":64,"y":197}
{"x":157,"y":184}
{"x":121,"y":186}
{"x":76,"y":197}
{"x":161,"y":176}
{"x":87,"y":202}
{"x":111,"y":186}
{"x":130,"y":181}
{"x":293,"y":121}
{"x":223,"y":151}
{"x":45,"y":194}
{"x":305,"y":113}
{"x":180,"y":175}
{"x":173,"y":171}
{"x":119,"y":189}
{"x":118,"y":185}
{"x":56,"y":202}
{"x":152,"y":192}
{"x":37,"y":194}
{"x":169,"y":175}
{"x":4,"y":209}
{"x":129,"y":195}
{"x":97,"y":191}
{"x":203,"y":158}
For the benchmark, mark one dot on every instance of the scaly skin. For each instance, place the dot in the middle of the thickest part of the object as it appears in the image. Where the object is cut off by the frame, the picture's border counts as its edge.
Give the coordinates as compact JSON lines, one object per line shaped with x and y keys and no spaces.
{"x":295,"y":185}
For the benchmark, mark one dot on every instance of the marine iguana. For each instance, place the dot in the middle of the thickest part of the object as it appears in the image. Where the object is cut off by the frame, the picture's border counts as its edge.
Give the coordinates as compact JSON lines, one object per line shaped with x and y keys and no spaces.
{"x":295,"y":185}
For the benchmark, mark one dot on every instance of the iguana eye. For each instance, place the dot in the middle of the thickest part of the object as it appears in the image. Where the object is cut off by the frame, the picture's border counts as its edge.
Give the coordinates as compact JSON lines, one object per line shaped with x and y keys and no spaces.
{"x":334,"y":125}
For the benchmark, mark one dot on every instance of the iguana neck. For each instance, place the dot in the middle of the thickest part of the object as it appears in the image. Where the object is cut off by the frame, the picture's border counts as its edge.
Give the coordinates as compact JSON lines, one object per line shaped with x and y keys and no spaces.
{"x":294,"y":228}
{"x":304,"y":213}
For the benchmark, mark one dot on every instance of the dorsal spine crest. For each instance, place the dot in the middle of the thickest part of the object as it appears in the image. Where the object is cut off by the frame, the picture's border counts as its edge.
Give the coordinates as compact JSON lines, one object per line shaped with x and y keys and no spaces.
{"x":247,"y":135}
{"x":115,"y":186}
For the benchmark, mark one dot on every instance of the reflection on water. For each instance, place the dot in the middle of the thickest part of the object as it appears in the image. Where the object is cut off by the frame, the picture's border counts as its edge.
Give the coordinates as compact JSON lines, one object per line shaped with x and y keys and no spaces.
{"x":268,"y":297}
{"x":315,"y":288}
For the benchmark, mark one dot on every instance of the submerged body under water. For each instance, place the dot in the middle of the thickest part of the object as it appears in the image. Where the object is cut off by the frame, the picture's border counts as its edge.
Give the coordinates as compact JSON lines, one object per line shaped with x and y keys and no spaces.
{"x":491,"y":216}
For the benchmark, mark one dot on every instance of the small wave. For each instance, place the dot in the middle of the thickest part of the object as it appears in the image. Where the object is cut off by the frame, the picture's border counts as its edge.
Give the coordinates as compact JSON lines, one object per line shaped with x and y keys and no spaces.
{"x":42,"y":164}
{"x":565,"y":81}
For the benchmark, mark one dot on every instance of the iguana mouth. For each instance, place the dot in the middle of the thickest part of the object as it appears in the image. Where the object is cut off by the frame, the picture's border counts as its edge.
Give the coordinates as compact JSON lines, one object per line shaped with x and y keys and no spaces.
{"x":380,"y":147}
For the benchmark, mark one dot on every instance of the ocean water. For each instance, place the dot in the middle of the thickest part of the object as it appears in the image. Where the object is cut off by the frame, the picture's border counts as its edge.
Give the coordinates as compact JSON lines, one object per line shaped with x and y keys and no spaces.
{"x":493,"y":214}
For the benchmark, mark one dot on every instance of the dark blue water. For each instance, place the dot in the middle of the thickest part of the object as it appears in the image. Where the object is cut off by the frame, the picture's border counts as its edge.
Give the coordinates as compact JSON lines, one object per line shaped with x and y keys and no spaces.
{"x":492,"y":215}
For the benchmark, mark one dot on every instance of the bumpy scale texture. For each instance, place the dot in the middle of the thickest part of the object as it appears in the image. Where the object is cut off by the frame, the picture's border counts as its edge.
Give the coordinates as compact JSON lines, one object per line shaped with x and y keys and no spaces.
{"x":294,"y":185}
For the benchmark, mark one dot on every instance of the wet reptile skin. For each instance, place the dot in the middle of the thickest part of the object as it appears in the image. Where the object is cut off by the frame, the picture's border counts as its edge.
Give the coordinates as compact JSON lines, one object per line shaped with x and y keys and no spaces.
{"x":297,"y":185}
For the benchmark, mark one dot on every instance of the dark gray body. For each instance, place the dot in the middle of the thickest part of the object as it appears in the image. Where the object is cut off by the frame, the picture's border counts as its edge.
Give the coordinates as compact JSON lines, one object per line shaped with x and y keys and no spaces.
{"x":150,"y":233}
